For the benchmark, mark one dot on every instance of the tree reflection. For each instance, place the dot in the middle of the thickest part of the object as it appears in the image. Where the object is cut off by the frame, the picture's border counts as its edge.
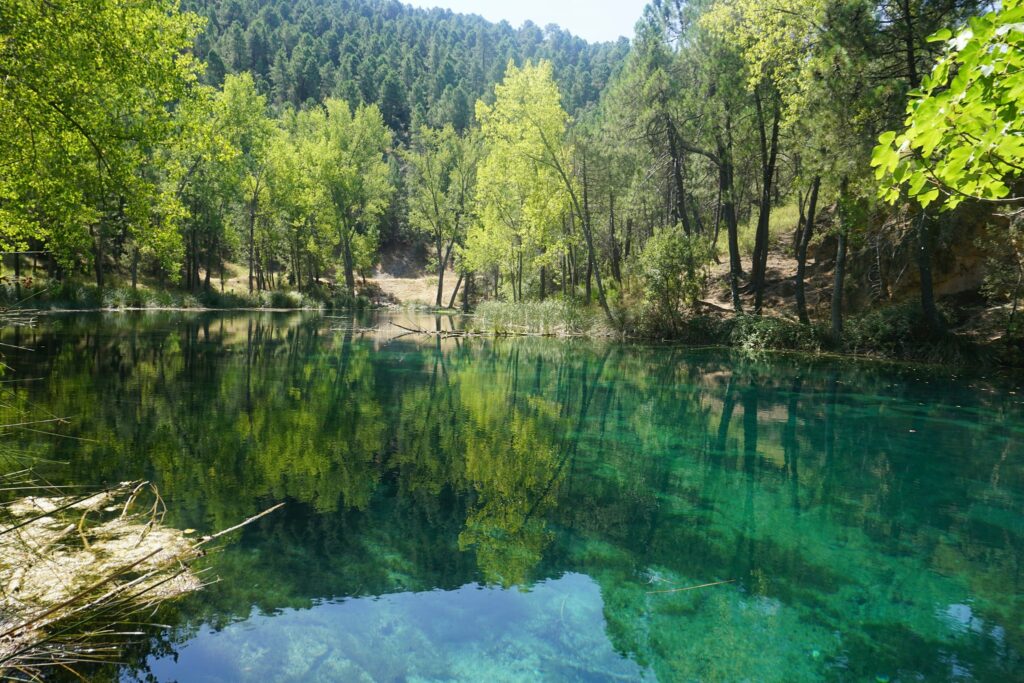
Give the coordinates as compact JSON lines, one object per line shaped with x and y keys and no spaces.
{"x":413,"y":464}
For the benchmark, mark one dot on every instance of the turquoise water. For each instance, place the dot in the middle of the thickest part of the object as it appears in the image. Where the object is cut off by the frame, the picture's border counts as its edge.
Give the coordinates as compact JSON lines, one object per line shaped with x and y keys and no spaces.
{"x":521,"y":510}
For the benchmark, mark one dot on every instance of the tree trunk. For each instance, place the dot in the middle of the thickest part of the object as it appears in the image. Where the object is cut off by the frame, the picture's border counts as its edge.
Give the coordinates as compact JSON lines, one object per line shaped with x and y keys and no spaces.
{"x":135,"y":267}
{"x":466,"y":292}
{"x":616,"y":265}
{"x":211,"y":257}
{"x":98,"y":257}
{"x":252,"y":242}
{"x":629,"y":238}
{"x":803,"y":242}
{"x":586,"y":286}
{"x":932,"y":317}
{"x":442,"y":262}
{"x":195,"y":260}
{"x":725,"y":183}
{"x":518,"y":284}
{"x":837,"y":287}
{"x":455,"y":292}
{"x":592,"y":253}
{"x":908,"y":43}
{"x":565,"y":274}
{"x":679,"y":214}
{"x":346,"y":255}
{"x":769,"y":155}
{"x":543,"y":283}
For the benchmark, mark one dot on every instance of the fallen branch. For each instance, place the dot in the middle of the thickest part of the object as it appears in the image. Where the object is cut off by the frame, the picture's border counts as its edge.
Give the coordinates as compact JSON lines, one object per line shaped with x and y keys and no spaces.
{"x":691,"y":588}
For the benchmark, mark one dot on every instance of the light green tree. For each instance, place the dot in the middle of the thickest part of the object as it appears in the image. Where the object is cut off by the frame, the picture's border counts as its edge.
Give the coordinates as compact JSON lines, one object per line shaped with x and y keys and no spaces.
{"x":243,"y":115}
{"x":87,"y":91}
{"x":964,"y":135}
{"x":530,"y":179}
{"x":345,"y":152}
{"x":442,"y":172}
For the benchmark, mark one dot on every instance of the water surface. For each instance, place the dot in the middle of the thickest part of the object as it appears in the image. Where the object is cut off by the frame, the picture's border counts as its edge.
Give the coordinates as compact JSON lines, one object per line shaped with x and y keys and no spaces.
{"x":520,"y":510}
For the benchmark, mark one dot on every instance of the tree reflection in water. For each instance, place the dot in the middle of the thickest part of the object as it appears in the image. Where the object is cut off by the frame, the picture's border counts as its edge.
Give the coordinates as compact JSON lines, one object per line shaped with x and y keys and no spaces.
{"x":869,"y":515}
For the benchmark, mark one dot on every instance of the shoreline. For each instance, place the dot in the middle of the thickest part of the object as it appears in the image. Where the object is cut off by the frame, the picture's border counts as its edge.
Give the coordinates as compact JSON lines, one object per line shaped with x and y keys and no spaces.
{"x":983,"y":354}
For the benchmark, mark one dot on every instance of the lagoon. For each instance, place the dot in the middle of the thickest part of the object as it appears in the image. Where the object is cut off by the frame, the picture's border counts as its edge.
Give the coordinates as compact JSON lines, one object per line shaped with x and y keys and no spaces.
{"x":470,"y":509}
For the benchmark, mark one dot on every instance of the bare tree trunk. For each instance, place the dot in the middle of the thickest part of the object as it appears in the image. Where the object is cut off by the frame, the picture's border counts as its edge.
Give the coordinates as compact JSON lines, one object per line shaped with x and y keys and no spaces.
{"x":725,"y":183}
{"x":135,"y":267}
{"x":616,"y":254}
{"x":803,"y":242}
{"x":592,"y":253}
{"x":455,"y":292}
{"x":629,"y":238}
{"x":252,"y":241}
{"x":195,"y":260}
{"x":590,"y":271}
{"x":932,"y":317}
{"x":346,"y":254}
{"x":98,"y":257}
{"x":769,"y":155}
{"x":211,"y":257}
{"x":837,"y":287}
{"x":679,"y":214}
{"x":442,"y":263}
{"x":467,"y":292}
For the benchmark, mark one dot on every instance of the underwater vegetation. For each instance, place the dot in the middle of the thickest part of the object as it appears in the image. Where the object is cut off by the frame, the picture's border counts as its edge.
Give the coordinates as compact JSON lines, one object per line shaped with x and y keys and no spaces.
{"x":534,"y":509}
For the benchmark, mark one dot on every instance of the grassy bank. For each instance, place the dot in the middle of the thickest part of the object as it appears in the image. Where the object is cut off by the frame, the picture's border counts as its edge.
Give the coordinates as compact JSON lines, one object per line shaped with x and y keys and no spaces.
{"x":897,"y":332}
{"x":77,"y":296}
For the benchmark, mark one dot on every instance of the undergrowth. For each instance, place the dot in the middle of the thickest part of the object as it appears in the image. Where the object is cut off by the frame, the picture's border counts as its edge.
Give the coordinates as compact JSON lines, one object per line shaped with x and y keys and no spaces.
{"x":68,"y":295}
{"x":552,"y":318}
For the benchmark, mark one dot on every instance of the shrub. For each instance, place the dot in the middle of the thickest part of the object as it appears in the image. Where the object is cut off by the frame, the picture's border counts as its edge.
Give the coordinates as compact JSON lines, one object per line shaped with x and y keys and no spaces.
{"x":764,"y":333}
{"x":901,"y":331}
{"x":890,"y":330}
{"x":674,"y":275}
{"x":1004,"y":270}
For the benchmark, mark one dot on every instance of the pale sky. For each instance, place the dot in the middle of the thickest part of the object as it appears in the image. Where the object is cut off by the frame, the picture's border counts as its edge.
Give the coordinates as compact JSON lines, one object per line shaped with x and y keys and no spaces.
{"x":594,"y":20}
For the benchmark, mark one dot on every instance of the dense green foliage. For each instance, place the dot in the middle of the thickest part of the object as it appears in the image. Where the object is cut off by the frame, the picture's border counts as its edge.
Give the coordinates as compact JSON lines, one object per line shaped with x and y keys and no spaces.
{"x":303,"y":139}
{"x":86,"y":96}
{"x":965,"y":134}
{"x":420,"y":66}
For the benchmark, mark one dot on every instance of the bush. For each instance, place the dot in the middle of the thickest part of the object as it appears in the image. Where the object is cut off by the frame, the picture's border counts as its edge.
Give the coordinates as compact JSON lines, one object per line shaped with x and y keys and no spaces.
{"x":674,"y":275}
{"x":705,"y":330}
{"x":891,"y":329}
{"x":1004,"y":270}
{"x":764,"y":333}
{"x":901,"y":331}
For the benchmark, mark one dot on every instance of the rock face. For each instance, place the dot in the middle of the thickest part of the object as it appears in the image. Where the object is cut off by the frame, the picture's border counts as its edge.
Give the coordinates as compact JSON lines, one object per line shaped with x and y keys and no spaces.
{"x":883,"y":266}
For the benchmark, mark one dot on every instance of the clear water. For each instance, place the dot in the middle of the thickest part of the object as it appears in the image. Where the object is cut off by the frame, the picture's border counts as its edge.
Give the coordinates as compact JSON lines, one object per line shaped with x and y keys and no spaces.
{"x":521,"y":510}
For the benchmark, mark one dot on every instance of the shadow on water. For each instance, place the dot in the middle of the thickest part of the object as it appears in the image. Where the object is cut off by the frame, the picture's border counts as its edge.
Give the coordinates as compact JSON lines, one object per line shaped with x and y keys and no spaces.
{"x":470,"y":509}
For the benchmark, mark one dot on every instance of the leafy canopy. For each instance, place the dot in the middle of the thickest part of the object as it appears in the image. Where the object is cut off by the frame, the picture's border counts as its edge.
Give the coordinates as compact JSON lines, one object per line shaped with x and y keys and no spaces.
{"x":965,"y":130}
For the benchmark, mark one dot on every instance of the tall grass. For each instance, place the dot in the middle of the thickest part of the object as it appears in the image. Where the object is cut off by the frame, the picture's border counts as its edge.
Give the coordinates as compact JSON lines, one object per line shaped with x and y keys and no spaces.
{"x":553,"y":317}
{"x":43,"y":295}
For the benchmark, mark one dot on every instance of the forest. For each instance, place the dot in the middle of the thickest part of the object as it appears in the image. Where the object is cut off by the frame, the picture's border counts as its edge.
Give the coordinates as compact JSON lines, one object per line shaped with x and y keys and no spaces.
{"x":807,"y":174}
{"x":344,"y":340}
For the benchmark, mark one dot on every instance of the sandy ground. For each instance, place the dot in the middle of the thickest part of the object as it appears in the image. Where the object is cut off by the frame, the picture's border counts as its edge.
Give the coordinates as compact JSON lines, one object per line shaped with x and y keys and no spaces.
{"x":418,"y":291}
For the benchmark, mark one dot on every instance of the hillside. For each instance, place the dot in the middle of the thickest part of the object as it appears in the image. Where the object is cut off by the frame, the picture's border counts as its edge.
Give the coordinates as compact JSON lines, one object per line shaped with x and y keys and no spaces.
{"x":420,"y":66}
